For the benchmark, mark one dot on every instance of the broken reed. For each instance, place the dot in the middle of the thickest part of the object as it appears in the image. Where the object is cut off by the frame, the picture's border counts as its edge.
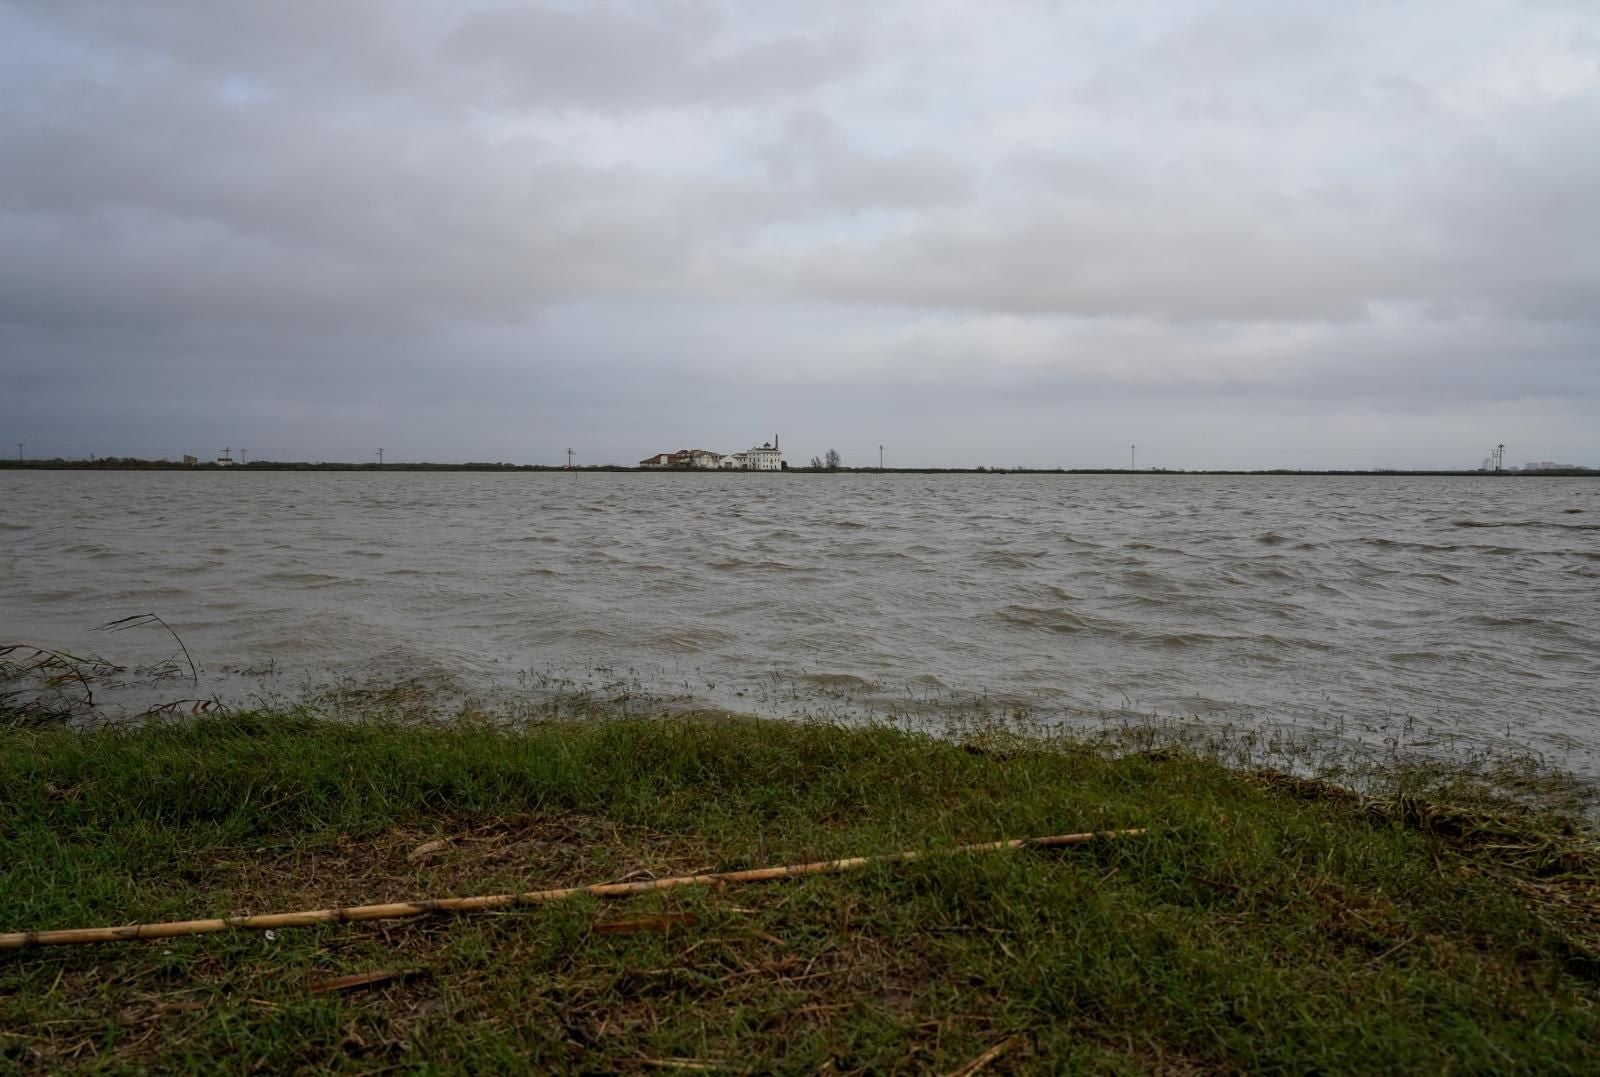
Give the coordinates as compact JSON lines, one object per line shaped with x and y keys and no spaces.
{"x":483,"y":903}
{"x":44,"y":685}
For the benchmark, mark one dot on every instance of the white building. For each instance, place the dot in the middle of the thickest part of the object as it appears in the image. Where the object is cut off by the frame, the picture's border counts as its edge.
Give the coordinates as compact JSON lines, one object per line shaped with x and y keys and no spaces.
{"x":683,"y":458}
{"x":764,"y":457}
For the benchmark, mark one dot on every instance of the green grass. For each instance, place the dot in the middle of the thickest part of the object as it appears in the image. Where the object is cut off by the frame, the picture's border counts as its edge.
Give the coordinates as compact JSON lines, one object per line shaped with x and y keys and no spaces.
{"x":1265,"y":924}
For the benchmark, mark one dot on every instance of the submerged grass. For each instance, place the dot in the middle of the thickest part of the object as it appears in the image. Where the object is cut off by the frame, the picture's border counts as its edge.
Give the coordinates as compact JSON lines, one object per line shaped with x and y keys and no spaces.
{"x":1266,"y":923}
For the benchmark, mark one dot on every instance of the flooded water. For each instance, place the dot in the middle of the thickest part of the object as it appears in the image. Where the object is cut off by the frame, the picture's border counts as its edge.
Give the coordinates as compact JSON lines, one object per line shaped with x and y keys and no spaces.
{"x":1464,"y":606}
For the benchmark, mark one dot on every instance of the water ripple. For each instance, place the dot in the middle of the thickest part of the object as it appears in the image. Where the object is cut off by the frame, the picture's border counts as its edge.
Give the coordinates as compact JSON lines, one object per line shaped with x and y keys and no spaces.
{"x":1472,"y":604}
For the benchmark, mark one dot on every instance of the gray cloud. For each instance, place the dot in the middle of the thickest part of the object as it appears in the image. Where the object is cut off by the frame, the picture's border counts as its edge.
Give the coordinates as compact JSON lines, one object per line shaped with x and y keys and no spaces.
{"x":495,"y":229}
{"x":638,"y":56}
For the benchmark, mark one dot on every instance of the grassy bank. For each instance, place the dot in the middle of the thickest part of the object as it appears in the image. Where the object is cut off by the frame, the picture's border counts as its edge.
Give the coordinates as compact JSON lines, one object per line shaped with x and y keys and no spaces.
{"x":1264,"y":924}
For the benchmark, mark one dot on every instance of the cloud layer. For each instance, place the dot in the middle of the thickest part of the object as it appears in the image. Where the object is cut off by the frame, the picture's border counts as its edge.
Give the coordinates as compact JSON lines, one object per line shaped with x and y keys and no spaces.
{"x":1000,"y":233}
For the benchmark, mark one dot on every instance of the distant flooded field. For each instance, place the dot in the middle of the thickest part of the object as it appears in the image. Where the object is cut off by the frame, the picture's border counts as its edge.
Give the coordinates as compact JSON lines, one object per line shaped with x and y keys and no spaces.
{"x":1368,"y":608}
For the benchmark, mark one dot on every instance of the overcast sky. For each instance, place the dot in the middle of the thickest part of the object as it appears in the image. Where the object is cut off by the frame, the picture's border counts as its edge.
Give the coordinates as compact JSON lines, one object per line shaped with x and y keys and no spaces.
{"x":1001,"y":233}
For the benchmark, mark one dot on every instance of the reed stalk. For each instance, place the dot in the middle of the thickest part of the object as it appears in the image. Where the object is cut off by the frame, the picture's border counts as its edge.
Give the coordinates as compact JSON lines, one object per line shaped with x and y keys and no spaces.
{"x":401,"y":910}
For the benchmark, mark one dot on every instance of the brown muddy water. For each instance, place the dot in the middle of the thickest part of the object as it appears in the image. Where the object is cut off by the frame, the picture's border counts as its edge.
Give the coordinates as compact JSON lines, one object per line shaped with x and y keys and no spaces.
{"x":1463,"y":609}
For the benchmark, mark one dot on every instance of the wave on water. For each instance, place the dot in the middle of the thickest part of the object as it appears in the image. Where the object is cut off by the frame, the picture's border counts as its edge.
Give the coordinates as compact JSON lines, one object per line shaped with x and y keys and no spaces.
{"x":734,"y":564}
{"x":1528,"y":523}
{"x":304,"y":579}
{"x":1425,"y":547}
{"x":1054,"y":620}
{"x":1010,"y":558}
{"x":1315,"y":601}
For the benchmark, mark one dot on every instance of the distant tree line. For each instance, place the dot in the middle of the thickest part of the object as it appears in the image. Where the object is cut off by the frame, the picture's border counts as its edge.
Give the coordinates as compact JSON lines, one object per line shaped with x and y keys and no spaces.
{"x":129,"y":463}
{"x":829,"y":461}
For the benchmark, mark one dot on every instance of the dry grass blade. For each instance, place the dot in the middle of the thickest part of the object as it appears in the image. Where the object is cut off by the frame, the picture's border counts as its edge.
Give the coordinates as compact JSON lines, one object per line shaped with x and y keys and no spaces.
{"x":661,"y":924}
{"x":428,"y":849}
{"x":363,"y":979}
{"x":176,"y":706}
{"x":70,"y":665}
{"x":978,"y":1064}
{"x":139,"y":620}
{"x":703,"y":1065}
{"x":49,"y":671}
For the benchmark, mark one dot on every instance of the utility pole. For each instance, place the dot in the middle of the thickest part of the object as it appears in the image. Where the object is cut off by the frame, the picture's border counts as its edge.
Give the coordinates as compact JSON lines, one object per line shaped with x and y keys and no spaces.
{"x":880,"y":457}
{"x":19,"y":452}
{"x":569,"y":459}
{"x":241,"y":456}
{"x":380,"y":457}
{"x":1131,"y":466}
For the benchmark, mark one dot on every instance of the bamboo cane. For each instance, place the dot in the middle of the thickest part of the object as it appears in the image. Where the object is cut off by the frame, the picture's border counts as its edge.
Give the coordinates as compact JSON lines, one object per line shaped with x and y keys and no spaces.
{"x":400,"y":910}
